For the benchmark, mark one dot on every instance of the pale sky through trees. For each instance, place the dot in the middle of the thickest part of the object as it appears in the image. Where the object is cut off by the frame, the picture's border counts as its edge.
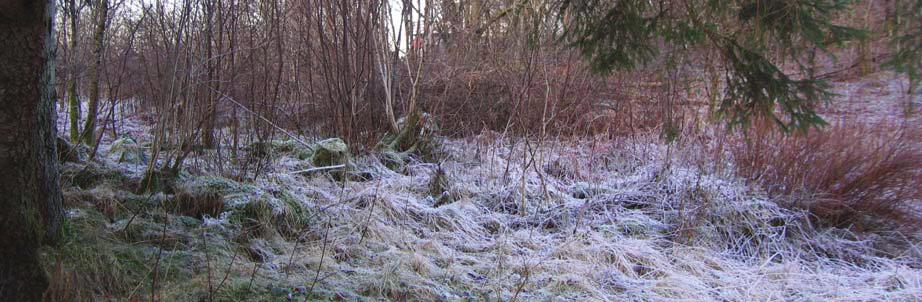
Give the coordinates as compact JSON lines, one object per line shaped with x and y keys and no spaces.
{"x":396,"y":8}
{"x":395,"y":11}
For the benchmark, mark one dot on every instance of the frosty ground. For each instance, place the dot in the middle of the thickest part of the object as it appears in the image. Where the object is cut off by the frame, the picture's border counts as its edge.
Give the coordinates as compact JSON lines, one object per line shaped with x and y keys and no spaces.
{"x":495,"y":218}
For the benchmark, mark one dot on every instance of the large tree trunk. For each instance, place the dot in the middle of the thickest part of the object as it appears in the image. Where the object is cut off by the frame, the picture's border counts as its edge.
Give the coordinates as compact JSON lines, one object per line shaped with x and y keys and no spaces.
{"x":89,"y":129}
{"x":30,"y":194}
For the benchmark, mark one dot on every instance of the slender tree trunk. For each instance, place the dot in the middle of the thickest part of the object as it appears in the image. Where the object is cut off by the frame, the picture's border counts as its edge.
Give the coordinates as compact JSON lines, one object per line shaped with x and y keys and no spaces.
{"x":208,"y":139}
{"x":89,"y":129}
{"x":30,"y":193}
{"x":410,"y":29}
{"x":72,"y":100}
{"x":474,"y":14}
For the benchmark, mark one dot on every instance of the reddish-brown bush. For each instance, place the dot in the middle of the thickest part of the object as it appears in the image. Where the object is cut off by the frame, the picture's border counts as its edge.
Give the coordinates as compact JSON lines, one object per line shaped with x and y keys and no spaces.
{"x":846,"y":175}
{"x":545,"y":91}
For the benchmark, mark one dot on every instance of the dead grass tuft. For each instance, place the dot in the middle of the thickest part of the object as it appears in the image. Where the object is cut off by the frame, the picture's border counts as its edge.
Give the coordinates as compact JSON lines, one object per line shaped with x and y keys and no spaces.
{"x":196,"y":204}
{"x":102,"y":199}
{"x":65,"y":286}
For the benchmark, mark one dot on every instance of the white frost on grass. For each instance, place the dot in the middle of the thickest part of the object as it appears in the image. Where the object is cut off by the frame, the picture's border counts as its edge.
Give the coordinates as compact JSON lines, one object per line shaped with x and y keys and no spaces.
{"x":607,"y":223}
{"x":628,"y":219}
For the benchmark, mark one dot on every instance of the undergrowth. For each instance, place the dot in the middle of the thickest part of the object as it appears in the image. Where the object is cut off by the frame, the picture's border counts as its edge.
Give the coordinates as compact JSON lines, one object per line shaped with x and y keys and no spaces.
{"x":615,"y":219}
{"x":847,"y":175}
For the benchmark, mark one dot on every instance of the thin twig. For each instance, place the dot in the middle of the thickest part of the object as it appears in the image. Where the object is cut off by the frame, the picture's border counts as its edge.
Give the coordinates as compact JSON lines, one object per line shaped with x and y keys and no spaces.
{"x":228,"y":271}
{"x":371,"y":209}
{"x":207,"y":266}
{"x":323,"y":252}
{"x":289,"y":134}
{"x":156,"y":272}
{"x":256,"y":266}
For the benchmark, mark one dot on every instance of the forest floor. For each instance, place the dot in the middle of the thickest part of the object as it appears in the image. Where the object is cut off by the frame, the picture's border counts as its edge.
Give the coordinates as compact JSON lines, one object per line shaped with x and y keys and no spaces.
{"x":625,"y":219}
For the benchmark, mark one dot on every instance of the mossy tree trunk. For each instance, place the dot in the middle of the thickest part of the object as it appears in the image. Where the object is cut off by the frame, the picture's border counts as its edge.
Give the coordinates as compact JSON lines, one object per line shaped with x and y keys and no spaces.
{"x":407,"y":136}
{"x":72,"y":101}
{"x":30,"y":193}
{"x":89,"y":129}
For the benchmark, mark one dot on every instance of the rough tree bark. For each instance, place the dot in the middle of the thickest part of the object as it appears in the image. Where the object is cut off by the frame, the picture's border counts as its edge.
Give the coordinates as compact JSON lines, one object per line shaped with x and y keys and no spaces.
{"x":30,"y":194}
{"x":89,"y":129}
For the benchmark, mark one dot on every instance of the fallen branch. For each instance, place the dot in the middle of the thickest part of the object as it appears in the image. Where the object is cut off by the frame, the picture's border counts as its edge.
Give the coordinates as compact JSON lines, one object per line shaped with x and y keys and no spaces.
{"x":318,"y":169}
{"x":289,"y":134}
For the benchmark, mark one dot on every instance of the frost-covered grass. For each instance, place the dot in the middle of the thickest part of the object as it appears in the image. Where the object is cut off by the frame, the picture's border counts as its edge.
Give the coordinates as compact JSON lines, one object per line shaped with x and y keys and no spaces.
{"x":640,"y":230}
{"x":616,"y":220}
{"x":628,"y":219}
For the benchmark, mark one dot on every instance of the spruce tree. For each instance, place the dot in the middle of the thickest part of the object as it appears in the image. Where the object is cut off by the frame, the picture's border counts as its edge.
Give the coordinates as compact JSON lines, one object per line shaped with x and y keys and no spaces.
{"x":752,"y":38}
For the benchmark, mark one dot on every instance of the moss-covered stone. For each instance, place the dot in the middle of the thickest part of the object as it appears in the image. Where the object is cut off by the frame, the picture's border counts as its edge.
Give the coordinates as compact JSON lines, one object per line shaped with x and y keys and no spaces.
{"x":330,"y":152}
{"x":128,"y":151}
